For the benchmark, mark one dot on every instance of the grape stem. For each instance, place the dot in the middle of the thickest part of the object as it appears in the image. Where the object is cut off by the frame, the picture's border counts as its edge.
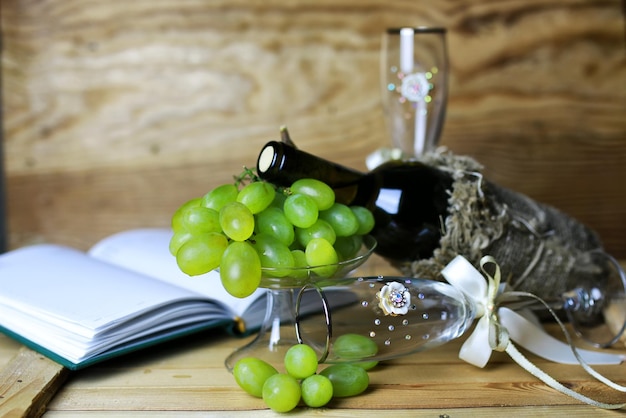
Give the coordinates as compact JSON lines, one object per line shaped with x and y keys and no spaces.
{"x":248,"y":175}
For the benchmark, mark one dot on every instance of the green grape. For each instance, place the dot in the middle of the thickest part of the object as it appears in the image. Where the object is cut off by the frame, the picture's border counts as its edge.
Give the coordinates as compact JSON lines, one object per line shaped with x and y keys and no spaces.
{"x":348,"y":247}
{"x":221,"y":195}
{"x":201,"y":253}
{"x":320,"y":192}
{"x":365,"y":218}
{"x":251,"y":373}
{"x":300,"y":361}
{"x":320,"y":252}
{"x":201,"y":219}
{"x":240,"y":269}
{"x":178,"y":239}
{"x":281,"y":392}
{"x":320,"y":229}
{"x":299,"y":258}
{"x":299,"y":263}
{"x":236,"y":221}
{"x":279,"y":198}
{"x":366,"y":365}
{"x":257,"y":196}
{"x":273,"y":254}
{"x":317,"y":390}
{"x":300,"y":210}
{"x":357,"y":347}
{"x":347,"y":379}
{"x":177,"y":224}
{"x":342,"y":219}
{"x":272,"y":221}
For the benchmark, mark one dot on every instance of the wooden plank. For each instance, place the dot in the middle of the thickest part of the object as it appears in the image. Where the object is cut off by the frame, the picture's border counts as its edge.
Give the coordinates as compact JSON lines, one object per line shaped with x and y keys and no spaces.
{"x":566,"y":411}
{"x":190,"y":376}
{"x":384,"y":393}
{"x":28,"y":383}
{"x":8,"y":349}
{"x":427,"y":379}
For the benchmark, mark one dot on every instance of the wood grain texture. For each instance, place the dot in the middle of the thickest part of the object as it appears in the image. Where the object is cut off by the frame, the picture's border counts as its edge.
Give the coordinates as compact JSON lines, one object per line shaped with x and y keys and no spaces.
{"x":190,"y":376}
{"x":443,"y":412}
{"x":27,"y":383}
{"x":114,"y":113}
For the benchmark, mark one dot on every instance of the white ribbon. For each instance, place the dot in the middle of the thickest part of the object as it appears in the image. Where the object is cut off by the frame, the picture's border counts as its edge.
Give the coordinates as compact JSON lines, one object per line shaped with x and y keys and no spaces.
{"x":497,"y":326}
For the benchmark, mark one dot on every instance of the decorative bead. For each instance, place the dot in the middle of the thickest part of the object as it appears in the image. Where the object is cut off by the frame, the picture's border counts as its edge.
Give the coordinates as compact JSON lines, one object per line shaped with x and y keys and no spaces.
{"x":394,"y":299}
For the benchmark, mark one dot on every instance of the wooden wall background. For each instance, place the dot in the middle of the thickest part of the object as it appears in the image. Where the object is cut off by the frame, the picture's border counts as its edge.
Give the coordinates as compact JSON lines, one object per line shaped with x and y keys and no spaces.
{"x":115,"y":112}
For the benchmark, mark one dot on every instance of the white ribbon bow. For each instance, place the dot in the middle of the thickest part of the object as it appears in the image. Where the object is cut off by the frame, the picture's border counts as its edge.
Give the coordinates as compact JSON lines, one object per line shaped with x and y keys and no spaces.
{"x":488,"y":334}
{"x":497,"y":326}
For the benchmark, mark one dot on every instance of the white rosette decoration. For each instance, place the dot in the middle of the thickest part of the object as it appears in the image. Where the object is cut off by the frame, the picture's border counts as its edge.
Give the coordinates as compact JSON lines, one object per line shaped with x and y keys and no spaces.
{"x":394,"y":299}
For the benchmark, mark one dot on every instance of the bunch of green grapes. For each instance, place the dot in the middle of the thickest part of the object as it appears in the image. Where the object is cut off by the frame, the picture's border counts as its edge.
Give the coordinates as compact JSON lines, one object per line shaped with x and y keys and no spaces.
{"x":244,"y":227}
{"x":282,"y":392}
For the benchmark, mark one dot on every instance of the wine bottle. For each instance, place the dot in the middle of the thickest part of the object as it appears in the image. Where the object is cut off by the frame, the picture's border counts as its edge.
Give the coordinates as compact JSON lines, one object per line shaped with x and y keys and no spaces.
{"x":449,"y":207}
{"x":409,"y":199}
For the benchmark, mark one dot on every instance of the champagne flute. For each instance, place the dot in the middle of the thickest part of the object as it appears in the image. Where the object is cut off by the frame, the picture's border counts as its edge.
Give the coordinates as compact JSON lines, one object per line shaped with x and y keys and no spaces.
{"x":399,"y":316}
{"x":414,"y":78}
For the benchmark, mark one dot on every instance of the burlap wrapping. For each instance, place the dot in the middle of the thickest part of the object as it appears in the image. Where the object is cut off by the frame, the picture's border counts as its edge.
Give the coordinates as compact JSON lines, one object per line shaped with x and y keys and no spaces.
{"x":539,"y":249}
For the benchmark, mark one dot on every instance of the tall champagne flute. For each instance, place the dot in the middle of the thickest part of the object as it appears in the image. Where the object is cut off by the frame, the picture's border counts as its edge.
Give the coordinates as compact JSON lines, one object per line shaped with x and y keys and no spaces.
{"x":414,"y":79}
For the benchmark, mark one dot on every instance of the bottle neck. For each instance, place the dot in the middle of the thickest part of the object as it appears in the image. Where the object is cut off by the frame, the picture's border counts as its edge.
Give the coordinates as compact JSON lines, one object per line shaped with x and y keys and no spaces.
{"x":282,"y":164}
{"x":409,"y":199}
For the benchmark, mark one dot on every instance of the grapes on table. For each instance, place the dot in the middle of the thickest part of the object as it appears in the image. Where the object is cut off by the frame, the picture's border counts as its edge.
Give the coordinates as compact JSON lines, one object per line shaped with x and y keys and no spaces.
{"x":251,"y":373}
{"x":282,"y":392}
{"x":317,"y":390}
{"x":301,"y":361}
{"x":347,"y":379}
{"x":251,"y":227}
{"x":356,"y":347}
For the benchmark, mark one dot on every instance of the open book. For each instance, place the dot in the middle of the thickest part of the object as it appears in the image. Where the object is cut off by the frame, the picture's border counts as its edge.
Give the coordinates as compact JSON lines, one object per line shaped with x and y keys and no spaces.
{"x":126,"y":293}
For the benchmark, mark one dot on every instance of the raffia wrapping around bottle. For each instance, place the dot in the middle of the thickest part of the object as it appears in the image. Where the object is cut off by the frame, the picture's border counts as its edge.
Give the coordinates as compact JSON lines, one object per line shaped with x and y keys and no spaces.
{"x":443,"y":208}
{"x":540,"y":249}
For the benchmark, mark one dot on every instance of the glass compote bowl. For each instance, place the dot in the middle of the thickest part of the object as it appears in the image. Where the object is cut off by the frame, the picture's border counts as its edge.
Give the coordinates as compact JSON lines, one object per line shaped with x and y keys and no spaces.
{"x":278,"y":333}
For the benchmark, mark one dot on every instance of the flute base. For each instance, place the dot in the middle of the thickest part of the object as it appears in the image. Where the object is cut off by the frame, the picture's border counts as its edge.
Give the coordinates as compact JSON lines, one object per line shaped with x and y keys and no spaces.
{"x":276,"y":335}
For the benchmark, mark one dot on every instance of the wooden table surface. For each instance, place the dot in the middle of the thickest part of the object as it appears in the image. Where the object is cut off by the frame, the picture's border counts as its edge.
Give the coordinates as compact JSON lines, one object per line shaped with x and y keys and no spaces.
{"x":188,"y":378}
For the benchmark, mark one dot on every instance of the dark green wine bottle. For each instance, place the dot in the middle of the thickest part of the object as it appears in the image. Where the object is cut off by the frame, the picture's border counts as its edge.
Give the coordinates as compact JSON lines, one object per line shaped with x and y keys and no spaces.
{"x":409,"y":199}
